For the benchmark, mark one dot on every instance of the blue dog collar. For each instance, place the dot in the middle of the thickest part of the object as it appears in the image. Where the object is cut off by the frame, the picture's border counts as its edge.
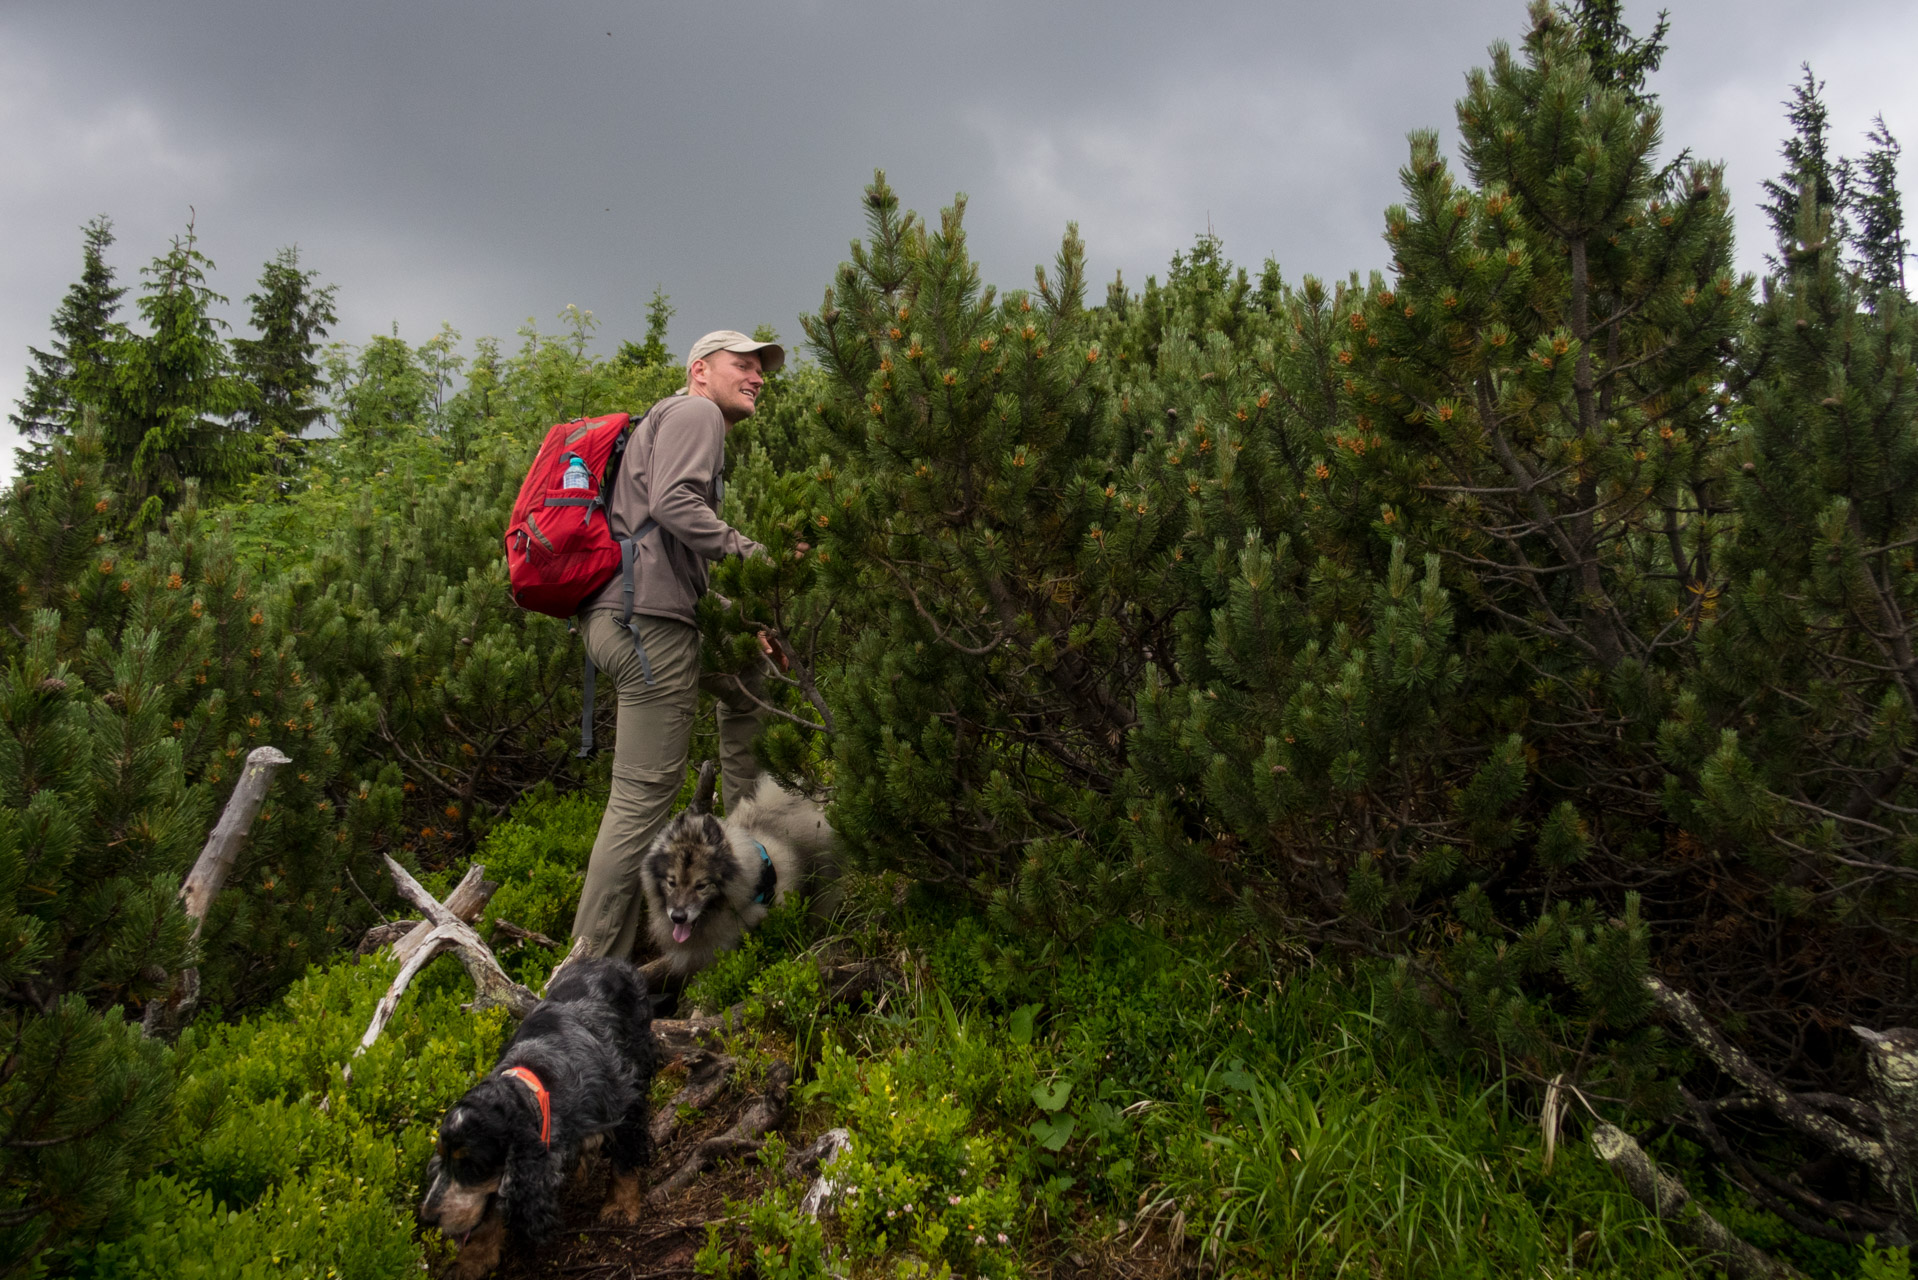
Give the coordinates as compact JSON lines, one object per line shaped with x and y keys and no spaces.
{"x":768,"y":877}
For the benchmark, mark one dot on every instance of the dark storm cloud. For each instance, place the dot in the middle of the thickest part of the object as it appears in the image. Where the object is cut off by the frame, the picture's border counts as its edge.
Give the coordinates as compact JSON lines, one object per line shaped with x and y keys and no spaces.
{"x":481,"y":163}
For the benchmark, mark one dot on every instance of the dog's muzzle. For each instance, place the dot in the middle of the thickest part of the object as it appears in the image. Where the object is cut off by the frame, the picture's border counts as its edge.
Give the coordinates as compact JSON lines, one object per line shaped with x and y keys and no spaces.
{"x":452,"y":1206}
{"x":682,"y":918}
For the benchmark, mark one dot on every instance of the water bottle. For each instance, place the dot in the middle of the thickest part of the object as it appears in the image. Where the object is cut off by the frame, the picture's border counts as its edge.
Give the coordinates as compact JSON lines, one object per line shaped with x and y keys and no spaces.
{"x":577,"y":476}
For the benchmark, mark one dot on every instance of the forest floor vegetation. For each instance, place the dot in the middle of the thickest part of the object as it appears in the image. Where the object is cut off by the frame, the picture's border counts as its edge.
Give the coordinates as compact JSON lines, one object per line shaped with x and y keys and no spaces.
{"x":1161,"y":1103}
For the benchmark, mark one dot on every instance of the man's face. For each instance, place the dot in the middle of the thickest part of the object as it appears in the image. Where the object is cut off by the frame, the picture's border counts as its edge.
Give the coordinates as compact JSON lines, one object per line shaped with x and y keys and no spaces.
{"x":731,"y":380}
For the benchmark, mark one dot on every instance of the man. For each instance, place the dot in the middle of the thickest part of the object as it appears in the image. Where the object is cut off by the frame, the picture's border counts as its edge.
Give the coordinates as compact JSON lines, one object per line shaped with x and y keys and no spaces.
{"x":669,"y":475}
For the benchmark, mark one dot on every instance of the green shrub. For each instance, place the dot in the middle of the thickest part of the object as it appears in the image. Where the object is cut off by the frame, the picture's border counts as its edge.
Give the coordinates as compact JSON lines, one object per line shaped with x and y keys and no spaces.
{"x":538,"y":857}
{"x":1883,"y":1264}
{"x":780,"y":1243}
{"x":327,"y":1226}
{"x":787,"y":931}
{"x":920,"y":1174}
{"x":278,"y":1163}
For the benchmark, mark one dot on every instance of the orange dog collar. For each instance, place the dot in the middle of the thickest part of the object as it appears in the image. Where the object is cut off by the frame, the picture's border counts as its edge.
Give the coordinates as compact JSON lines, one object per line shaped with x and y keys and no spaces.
{"x":532,"y":1082}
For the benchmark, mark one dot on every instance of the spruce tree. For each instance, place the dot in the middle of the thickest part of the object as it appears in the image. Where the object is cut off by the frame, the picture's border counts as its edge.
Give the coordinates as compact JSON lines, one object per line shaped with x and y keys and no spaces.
{"x":659,"y":314}
{"x":1810,"y":167}
{"x":69,"y":372}
{"x":170,"y":399}
{"x":277,"y":370}
{"x":1875,"y":207}
{"x":1618,"y":59}
{"x":55,"y":527}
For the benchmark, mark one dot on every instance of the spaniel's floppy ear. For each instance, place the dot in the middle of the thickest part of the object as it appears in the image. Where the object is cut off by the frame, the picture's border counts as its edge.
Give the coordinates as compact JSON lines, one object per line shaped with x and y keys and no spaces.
{"x":531,"y":1188}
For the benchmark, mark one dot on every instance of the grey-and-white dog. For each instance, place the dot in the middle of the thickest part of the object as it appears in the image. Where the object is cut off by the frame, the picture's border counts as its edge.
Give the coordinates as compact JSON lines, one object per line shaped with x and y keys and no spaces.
{"x":708,"y":880}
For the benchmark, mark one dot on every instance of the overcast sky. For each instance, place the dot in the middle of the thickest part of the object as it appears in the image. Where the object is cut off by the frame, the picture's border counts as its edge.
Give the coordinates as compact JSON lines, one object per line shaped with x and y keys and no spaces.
{"x":480,"y":162}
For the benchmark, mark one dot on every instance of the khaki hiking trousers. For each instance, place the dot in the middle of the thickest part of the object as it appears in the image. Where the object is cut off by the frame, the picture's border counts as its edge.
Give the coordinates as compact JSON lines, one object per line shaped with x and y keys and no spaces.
{"x":650,"y":739}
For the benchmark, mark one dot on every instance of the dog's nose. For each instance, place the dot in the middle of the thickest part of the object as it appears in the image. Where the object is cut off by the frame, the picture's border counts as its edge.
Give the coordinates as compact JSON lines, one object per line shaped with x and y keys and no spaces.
{"x":677,"y":915}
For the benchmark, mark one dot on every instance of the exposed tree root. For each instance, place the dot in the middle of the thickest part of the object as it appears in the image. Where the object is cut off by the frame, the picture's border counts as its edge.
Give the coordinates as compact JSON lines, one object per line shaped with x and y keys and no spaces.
{"x":761,"y":1116}
{"x":707,"y":1075}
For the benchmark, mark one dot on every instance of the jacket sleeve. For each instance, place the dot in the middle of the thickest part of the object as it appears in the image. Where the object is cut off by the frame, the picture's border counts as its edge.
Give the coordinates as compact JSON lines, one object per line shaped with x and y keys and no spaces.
{"x":689,"y":447}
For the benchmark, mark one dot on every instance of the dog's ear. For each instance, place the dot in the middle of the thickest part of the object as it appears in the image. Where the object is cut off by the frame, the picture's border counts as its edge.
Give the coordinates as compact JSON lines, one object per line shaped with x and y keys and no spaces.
{"x":532,"y":1190}
{"x":713,"y":833}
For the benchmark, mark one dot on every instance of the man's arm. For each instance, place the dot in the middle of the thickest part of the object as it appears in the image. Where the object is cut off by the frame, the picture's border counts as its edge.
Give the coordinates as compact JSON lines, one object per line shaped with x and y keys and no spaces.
{"x":688,"y":445}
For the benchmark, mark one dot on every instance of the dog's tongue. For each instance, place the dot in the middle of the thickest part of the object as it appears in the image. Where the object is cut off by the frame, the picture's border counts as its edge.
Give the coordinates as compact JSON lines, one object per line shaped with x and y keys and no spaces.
{"x":682,"y":933}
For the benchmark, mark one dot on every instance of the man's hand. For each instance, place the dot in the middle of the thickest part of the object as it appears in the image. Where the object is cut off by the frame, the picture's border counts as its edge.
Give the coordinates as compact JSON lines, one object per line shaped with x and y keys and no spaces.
{"x":776,"y":650}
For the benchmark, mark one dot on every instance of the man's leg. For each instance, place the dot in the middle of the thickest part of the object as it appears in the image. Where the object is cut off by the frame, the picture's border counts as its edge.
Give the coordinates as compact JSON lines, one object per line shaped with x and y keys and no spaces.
{"x":650,"y":737}
{"x":739,"y":720}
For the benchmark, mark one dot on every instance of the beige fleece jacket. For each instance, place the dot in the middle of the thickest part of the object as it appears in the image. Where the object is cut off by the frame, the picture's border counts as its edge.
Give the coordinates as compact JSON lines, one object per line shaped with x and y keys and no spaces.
{"x":670,"y":473}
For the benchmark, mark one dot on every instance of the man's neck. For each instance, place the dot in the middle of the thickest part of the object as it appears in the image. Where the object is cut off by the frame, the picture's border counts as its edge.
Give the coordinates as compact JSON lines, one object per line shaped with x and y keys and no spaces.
{"x":701,"y":392}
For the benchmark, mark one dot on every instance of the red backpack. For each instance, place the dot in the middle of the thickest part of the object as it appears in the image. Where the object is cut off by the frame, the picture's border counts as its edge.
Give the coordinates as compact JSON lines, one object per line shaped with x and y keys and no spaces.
{"x":559,"y":546}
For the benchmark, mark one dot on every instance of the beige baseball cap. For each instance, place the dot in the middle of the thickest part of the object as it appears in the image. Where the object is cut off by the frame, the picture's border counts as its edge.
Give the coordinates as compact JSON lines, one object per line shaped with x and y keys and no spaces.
{"x":771,"y":354}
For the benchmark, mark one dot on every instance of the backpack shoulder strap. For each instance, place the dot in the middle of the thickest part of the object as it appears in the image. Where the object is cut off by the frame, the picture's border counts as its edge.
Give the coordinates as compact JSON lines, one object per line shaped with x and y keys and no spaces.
{"x":629,"y":551}
{"x":628,"y":546}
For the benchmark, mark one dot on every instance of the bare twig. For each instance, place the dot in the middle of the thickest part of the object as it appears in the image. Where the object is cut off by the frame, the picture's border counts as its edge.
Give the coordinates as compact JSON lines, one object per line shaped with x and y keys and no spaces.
{"x":522,"y":936}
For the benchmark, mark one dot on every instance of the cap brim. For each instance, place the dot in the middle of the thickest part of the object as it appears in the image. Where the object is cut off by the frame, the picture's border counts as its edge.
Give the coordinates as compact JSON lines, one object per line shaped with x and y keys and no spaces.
{"x":772,"y":356}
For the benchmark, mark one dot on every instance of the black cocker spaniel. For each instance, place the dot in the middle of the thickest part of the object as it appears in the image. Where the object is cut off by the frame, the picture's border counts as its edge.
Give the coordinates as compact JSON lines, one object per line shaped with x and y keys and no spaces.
{"x":578,"y":1074}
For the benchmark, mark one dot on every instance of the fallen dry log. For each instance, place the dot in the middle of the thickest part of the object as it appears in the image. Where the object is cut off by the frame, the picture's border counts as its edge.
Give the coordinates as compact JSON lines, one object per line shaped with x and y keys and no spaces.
{"x":448,"y":933}
{"x":679,"y":1037}
{"x":468,"y":899}
{"x":761,"y":1116}
{"x":1821,"y":1128}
